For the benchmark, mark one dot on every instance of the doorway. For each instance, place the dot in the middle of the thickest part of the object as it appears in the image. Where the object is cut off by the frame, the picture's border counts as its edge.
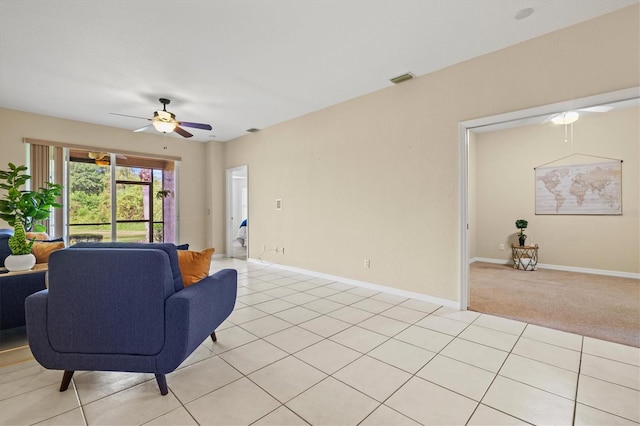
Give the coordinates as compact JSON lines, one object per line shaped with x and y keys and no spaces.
{"x":237,"y":213}
{"x":467,"y":131}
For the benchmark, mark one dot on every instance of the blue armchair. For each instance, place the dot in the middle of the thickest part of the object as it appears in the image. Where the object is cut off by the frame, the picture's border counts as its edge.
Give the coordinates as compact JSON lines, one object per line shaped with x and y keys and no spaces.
{"x":122,"y":307}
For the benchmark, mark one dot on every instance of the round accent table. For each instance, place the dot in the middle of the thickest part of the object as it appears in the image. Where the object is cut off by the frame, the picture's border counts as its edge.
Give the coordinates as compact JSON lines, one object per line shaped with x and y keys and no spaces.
{"x":525,"y":257}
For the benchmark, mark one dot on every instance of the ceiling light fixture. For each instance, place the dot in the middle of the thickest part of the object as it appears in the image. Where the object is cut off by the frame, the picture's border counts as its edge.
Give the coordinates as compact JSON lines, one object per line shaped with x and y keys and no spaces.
{"x":253,"y":130}
{"x":565,"y":117}
{"x":164,"y":126}
{"x":524,"y":13}
{"x":102,"y":163}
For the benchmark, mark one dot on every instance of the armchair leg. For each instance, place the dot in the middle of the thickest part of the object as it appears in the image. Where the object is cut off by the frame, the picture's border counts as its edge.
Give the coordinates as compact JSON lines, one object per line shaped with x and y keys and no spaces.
{"x":66,"y":379}
{"x":214,"y":337}
{"x":162,"y":383}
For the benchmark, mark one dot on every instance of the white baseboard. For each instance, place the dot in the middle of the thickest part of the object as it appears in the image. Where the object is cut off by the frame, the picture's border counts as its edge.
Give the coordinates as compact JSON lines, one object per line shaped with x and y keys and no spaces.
{"x":489,"y":260}
{"x":606,"y":272}
{"x":377,"y":287}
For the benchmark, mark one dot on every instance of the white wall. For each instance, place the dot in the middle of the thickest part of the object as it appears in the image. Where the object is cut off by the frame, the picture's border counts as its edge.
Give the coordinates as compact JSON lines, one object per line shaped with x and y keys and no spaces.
{"x":472,"y":193}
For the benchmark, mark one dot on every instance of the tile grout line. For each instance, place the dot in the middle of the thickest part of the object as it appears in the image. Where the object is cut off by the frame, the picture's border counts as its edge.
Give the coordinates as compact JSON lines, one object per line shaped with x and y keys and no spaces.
{"x":361,"y":355}
{"x":497,"y":373}
{"x":75,"y":390}
{"x":575,"y":398}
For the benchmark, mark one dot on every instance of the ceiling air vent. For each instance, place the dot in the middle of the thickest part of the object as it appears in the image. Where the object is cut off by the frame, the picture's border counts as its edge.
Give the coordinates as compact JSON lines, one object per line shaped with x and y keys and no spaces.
{"x":401,"y":78}
{"x":252,"y":130}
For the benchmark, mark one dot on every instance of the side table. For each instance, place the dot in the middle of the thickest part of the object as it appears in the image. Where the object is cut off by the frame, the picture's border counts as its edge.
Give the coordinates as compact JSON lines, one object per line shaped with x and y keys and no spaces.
{"x":14,"y":288}
{"x":525,"y":257}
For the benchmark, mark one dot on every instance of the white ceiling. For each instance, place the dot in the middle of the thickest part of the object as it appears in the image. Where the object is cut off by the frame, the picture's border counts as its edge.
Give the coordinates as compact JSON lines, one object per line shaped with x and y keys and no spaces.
{"x":245,"y":63}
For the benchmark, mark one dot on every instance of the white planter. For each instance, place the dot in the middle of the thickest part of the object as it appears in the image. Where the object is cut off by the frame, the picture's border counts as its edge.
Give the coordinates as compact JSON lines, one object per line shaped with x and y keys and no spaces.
{"x":20,"y":262}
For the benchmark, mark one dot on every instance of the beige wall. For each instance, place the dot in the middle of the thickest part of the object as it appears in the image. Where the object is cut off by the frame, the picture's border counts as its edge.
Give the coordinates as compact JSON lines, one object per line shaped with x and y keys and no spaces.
{"x":506,"y":192}
{"x":377,"y":177}
{"x":193,"y":181}
{"x":215,"y":197}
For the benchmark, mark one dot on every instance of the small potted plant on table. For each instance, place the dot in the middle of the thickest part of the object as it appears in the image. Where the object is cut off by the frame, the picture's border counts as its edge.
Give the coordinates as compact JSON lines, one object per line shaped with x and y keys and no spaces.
{"x":21,"y":257}
{"x":521,"y":224}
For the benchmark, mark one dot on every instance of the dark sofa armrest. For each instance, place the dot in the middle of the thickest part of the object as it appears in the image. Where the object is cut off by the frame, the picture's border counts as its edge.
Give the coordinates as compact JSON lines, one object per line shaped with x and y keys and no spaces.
{"x":193,"y":313}
{"x":36,"y":317}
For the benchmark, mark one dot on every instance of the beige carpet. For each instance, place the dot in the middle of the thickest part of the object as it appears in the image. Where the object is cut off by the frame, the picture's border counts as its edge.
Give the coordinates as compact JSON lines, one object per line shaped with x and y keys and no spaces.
{"x":597,"y":306}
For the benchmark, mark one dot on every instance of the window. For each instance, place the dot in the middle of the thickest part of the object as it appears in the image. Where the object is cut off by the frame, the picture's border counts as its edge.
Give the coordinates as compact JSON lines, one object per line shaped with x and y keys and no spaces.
{"x":131,"y":200}
{"x":121,"y":196}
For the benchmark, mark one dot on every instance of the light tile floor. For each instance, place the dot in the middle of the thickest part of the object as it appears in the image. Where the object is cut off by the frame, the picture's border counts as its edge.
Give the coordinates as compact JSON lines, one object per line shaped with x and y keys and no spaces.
{"x":301,"y":350}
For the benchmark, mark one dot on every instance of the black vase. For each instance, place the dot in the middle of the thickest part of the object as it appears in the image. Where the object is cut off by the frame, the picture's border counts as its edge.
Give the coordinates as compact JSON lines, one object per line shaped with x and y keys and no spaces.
{"x":521,"y":241}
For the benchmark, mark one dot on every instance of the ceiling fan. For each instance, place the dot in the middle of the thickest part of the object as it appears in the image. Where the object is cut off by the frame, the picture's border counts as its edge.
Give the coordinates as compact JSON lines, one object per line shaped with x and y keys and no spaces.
{"x":568,"y":117}
{"x":102,"y":158}
{"x":165,"y":121}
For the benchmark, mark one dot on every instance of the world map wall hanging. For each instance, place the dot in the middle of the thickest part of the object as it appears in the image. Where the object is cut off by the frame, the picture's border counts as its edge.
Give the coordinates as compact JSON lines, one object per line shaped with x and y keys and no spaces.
{"x":593,"y":188}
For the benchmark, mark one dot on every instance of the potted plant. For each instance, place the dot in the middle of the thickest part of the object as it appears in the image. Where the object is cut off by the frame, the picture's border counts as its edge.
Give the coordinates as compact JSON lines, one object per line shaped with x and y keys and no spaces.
{"x":522,"y":224}
{"x":21,"y":257}
{"x":22,"y":209}
{"x":29,"y":206}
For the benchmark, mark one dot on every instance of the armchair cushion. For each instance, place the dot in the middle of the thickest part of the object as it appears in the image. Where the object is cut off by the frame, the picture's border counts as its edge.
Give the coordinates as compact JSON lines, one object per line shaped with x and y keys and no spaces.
{"x":168,"y":248}
{"x":194,"y":265}
{"x":115,"y":310}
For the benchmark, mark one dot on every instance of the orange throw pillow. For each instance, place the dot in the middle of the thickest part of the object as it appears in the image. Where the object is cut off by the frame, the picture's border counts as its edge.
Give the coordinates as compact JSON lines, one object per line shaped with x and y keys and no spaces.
{"x":38,"y":236}
{"x":42,"y":250}
{"x":194,"y":265}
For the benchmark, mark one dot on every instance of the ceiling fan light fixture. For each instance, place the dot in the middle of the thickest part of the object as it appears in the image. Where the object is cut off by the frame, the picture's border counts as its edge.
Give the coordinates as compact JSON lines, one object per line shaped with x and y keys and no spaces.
{"x":164,"y":126}
{"x":565,"y":117}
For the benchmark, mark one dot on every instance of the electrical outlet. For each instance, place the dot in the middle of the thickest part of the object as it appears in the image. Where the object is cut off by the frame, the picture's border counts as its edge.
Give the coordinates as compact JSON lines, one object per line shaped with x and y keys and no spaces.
{"x":501,"y":246}
{"x":367,"y":263}
{"x":282,"y":250}
{"x":277,"y":250}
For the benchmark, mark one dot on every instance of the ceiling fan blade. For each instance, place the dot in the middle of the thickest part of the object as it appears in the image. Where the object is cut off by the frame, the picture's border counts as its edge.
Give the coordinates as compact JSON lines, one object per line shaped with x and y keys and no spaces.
{"x":548,"y":119}
{"x":143,"y":128}
{"x":130,"y":116}
{"x":182,"y":132}
{"x":195,"y":125}
{"x":599,"y":108}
